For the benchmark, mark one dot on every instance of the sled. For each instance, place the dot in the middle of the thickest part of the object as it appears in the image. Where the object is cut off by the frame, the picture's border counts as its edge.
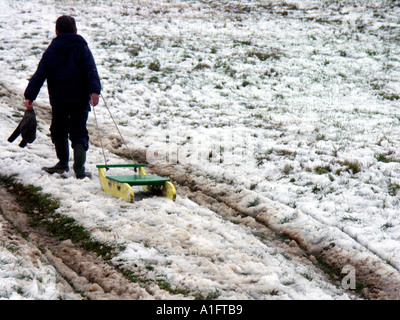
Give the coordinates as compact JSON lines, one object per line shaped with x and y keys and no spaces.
{"x":121,"y":186}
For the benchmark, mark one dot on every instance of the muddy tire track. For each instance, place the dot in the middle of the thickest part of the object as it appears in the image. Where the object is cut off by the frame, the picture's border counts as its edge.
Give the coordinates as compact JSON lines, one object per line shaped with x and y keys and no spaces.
{"x":80,"y":271}
{"x":380,"y":280}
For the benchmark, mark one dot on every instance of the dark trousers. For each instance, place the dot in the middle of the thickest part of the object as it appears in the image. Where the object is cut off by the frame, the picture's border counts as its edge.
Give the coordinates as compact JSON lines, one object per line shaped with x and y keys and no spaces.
{"x":70,"y":123}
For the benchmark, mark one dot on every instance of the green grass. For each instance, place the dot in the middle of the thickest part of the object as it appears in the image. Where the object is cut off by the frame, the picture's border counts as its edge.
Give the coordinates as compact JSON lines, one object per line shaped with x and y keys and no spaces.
{"x":255,"y":202}
{"x":352,"y":167}
{"x":41,"y":208}
{"x":385,"y":158}
{"x":322,"y":169}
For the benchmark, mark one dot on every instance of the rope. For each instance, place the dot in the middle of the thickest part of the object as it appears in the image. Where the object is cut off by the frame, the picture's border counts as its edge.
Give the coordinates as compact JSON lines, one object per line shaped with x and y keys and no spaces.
{"x":98,"y":131}
{"x":116,"y":126}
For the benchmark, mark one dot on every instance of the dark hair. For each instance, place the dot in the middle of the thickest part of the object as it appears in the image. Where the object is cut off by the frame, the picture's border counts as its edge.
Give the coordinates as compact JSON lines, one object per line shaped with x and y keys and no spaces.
{"x":66,"y":24}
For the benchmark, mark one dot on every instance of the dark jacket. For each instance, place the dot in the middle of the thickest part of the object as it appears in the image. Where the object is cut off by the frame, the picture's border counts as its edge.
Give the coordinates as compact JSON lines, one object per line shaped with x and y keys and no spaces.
{"x":70,"y":70}
{"x":26,"y":128}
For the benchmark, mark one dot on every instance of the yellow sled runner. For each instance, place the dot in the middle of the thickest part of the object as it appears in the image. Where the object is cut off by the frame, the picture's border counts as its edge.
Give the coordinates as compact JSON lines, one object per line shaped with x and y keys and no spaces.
{"x":120,"y":186}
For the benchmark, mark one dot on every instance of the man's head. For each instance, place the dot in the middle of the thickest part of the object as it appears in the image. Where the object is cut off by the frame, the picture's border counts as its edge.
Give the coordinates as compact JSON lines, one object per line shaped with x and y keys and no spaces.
{"x":65,"y":24}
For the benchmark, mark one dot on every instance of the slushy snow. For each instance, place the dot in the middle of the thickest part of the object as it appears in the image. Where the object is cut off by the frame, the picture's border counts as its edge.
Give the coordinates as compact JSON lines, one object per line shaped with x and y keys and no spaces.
{"x":294,"y":104}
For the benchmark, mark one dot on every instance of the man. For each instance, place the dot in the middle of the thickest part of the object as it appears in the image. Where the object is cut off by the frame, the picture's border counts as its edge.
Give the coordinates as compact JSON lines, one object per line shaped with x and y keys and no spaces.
{"x":73,"y":83}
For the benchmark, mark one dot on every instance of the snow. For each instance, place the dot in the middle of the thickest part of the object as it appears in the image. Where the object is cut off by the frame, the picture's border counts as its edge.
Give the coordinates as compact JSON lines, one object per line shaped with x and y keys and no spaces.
{"x":254,"y":96}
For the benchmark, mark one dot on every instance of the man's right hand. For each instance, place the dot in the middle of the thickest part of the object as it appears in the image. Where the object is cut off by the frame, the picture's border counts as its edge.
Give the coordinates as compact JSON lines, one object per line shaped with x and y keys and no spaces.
{"x":94,"y":99}
{"x":28,"y":105}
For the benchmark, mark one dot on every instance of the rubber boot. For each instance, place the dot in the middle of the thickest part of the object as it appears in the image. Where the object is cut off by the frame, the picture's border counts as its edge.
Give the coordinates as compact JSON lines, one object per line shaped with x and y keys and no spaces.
{"x":79,"y":162}
{"x":62,"y":152}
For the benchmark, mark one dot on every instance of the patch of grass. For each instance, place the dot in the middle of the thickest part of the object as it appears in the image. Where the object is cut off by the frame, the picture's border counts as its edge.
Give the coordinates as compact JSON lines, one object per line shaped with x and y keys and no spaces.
{"x":163,"y":284}
{"x":322,"y":169}
{"x":258,"y":116}
{"x":287,"y":219}
{"x":154,"y":80}
{"x":202,"y":66}
{"x":316,"y":189}
{"x":134,"y":50}
{"x":253,"y":186}
{"x":287,"y":169}
{"x":283,"y":152}
{"x":132,"y":277}
{"x":246,"y":83}
{"x":385,"y":158}
{"x":41,"y":209}
{"x":387,"y":225}
{"x":335,"y":273}
{"x":9,"y":247}
{"x":243,"y":42}
{"x":211,"y":296}
{"x":391,"y":96}
{"x":254,"y":202}
{"x":307,"y":276}
{"x":352,"y":167}
{"x":271,"y":73}
{"x":348,"y":218}
{"x":393,"y":188}
{"x":263,"y":56}
{"x":155,"y":66}
{"x":108,"y":43}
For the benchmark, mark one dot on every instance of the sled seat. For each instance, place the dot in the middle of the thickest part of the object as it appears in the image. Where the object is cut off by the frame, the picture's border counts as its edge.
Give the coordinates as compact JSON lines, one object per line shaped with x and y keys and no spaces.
{"x":140,"y":180}
{"x":136,"y":179}
{"x":120,"y":185}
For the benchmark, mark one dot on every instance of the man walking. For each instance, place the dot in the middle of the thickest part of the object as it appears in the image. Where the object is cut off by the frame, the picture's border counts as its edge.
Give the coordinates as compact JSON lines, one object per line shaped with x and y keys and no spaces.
{"x":73,"y":83}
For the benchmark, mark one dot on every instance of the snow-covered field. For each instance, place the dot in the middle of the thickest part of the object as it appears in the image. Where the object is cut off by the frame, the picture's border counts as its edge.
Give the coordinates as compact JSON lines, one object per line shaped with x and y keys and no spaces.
{"x":292,"y":106}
